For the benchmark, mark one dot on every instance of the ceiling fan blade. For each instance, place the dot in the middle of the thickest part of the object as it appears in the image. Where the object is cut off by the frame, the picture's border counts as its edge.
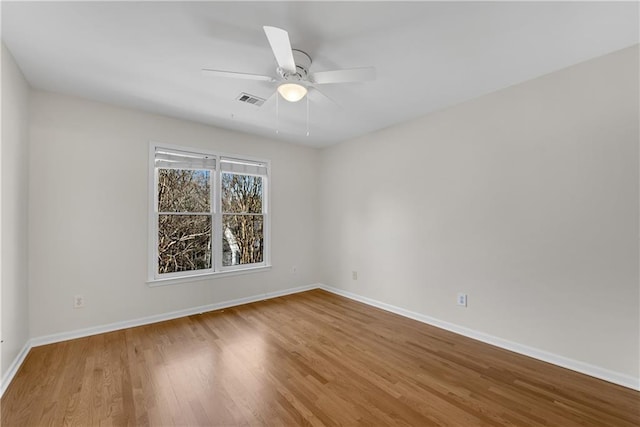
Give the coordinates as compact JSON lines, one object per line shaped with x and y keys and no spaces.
{"x":320,"y":97}
{"x":344,"y":76}
{"x":281,"y":47}
{"x":269,"y":99}
{"x":235,"y":75}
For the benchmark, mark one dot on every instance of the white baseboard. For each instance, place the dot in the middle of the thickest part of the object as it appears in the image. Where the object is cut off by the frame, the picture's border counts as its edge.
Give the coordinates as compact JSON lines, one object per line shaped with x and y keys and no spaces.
{"x":13,"y":369}
{"x":81,"y":333}
{"x":575,"y":365}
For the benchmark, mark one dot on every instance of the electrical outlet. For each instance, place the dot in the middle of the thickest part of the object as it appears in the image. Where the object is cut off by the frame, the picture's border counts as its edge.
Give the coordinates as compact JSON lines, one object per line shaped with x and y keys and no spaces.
{"x":78,"y":301}
{"x":462,"y":299}
{"x":354,"y":275}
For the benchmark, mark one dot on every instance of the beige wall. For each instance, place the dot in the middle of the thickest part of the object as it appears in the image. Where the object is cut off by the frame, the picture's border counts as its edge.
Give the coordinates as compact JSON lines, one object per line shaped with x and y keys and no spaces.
{"x":14,"y":179}
{"x":88,"y":214}
{"x":525,"y":199}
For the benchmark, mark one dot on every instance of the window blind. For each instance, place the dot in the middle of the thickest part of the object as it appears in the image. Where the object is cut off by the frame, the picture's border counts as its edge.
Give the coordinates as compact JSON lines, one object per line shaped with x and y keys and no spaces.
{"x":174,"y":159}
{"x":246,"y":167}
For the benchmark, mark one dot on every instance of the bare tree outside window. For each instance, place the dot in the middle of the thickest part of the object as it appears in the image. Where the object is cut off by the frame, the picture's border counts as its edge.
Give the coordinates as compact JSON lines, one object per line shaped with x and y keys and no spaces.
{"x":242,"y":219}
{"x":184,"y":220}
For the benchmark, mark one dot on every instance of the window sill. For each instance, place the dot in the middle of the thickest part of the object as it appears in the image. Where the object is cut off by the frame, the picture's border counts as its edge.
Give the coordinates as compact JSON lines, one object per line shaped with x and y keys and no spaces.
{"x":200,"y":277}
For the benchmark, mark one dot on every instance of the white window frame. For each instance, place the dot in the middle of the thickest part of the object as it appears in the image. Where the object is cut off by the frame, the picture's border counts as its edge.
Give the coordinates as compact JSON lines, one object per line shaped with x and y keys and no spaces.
{"x":217,"y":270}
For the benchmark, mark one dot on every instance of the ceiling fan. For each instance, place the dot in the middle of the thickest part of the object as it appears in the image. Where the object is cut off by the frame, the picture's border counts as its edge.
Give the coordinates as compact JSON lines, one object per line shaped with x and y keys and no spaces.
{"x":293,"y":69}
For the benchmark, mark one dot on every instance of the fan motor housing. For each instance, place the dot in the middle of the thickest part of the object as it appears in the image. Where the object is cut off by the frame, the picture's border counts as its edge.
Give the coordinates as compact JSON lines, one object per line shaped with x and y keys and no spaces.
{"x":303,"y":62}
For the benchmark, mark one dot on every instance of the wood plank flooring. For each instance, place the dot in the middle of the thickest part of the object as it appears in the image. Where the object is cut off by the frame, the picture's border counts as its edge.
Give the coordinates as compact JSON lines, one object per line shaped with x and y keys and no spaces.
{"x":311,"y":359}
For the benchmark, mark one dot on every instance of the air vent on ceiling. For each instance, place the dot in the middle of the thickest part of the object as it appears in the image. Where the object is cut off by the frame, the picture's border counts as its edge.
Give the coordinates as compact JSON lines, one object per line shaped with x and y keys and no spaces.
{"x":250,"y":99}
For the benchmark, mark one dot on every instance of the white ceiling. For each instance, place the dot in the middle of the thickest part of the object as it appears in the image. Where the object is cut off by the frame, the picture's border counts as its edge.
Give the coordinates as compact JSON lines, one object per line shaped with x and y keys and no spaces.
{"x":428,"y":55}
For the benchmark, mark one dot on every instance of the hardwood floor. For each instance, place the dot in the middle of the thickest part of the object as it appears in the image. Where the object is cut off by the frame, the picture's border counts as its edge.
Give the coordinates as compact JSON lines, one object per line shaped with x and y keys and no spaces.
{"x":307,"y":359}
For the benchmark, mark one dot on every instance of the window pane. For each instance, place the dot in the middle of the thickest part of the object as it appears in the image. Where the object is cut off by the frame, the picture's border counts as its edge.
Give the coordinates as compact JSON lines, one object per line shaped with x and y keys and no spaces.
{"x":241,"y":193}
{"x":184,"y":243}
{"x":184,"y":190}
{"x":242,"y":240}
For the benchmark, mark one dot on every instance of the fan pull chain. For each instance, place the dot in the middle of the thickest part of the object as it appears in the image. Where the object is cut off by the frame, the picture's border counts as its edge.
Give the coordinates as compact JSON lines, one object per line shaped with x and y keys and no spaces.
{"x":277,"y":115}
{"x":307,"y":114}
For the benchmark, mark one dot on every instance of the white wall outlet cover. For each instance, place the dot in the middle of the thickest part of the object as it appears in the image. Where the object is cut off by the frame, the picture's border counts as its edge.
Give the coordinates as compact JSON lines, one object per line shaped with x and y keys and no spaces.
{"x":78,"y":301}
{"x":462,"y":299}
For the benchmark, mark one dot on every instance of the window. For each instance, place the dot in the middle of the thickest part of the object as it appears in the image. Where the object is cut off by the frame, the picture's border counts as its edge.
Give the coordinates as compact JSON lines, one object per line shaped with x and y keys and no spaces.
{"x":242,"y":217}
{"x":208,"y":214}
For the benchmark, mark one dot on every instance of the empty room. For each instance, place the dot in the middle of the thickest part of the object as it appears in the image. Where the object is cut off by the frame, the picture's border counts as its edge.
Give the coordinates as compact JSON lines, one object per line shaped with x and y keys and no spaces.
{"x":320,"y":213}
